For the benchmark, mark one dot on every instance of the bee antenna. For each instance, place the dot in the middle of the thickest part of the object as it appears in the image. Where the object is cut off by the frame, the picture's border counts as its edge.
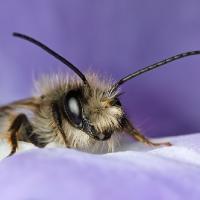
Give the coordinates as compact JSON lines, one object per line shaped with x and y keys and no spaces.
{"x":151,"y":67}
{"x":53,"y":53}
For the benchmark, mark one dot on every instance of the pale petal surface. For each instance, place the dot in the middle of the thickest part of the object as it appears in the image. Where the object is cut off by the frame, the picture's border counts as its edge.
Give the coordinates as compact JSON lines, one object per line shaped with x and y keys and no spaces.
{"x":136,"y":172}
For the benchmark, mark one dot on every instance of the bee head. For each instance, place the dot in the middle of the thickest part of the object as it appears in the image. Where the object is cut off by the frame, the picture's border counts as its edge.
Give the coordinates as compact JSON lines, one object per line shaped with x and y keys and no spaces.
{"x":93,"y":110}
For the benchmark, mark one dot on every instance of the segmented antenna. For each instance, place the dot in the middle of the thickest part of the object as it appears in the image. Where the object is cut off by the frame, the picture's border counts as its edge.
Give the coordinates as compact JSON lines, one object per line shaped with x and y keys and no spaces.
{"x":53,"y":53}
{"x":151,"y":67}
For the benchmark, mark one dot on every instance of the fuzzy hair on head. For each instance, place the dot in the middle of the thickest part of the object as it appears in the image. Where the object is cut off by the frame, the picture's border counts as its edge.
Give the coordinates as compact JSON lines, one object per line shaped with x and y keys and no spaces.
{"x":100,"y":112}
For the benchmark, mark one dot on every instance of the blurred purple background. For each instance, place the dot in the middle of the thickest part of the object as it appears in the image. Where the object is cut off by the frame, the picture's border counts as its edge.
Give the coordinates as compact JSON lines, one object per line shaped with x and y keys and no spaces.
{"x":115,"y":38}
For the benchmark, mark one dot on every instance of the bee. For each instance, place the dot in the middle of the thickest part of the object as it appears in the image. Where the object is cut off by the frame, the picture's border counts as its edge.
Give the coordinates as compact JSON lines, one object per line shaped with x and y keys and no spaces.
{"x":82,"y":111}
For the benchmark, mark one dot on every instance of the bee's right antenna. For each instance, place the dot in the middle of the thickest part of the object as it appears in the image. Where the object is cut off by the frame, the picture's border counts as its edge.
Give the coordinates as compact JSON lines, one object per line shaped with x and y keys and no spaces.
{"x":151,"y":67}
{"x":53,"y":53}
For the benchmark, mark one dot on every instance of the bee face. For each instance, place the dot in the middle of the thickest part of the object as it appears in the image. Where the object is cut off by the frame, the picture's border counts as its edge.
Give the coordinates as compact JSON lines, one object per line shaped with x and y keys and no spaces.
{"x":93,"y":110}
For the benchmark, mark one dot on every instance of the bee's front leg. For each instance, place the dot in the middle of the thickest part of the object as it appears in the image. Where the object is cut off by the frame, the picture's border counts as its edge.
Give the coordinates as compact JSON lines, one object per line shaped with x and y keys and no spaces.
{"x":56,"y":113}
{"x":141,"y":138}
{"x":20,"y":121}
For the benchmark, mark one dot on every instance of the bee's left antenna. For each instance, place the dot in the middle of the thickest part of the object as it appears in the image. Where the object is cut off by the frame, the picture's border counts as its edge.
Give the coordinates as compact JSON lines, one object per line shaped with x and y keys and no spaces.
{"x":53,"y":53}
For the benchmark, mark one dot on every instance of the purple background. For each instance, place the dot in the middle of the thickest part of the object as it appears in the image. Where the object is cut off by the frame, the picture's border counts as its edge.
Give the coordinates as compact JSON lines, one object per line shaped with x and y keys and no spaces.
{"x":113,"y":37}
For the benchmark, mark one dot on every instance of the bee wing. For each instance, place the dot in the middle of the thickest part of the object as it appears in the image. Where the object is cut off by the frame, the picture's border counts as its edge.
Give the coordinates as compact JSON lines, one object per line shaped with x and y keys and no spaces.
{"x":8,"y":112}
{"x":29,"y":104}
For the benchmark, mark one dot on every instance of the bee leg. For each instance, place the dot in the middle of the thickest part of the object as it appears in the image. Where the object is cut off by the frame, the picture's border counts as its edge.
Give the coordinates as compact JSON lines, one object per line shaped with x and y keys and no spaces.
{"x":14,"y":143}
{"x":14,"y":128}
{"x":58,"y":121}
{"x":27,"y":134}
{"x":141,"y":138}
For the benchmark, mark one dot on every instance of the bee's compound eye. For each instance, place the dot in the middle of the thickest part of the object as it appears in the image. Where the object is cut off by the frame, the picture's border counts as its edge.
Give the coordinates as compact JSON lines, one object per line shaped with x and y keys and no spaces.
{"x":73,"y":110}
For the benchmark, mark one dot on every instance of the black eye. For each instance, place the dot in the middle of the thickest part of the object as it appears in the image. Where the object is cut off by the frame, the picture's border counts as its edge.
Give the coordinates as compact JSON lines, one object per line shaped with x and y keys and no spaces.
{"x":72,"y":108}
